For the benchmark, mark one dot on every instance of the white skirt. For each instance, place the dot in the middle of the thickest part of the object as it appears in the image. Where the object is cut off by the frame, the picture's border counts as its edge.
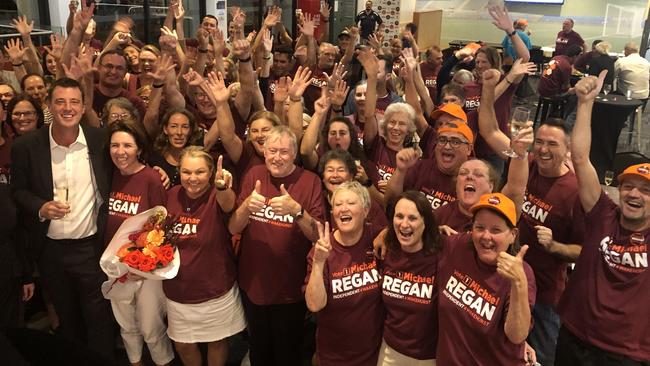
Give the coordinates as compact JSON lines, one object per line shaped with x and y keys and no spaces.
{"x":208,"y":321}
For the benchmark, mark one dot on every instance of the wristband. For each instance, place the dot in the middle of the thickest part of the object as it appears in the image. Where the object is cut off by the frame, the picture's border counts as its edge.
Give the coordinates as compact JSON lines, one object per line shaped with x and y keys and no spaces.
{"x":157,"y":86}
{"x":224,"y":188}
{"x":514,"y":31}
{"x":295,"y":99}
{"x":506,"y":79}
{"x":203,"y":50}
{"x":245,"y":59}
{"x":367,"y":183}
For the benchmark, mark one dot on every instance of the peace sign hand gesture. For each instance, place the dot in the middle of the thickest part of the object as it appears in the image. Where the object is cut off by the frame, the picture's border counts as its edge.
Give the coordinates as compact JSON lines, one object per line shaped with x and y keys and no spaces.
{"x":322,"y":246}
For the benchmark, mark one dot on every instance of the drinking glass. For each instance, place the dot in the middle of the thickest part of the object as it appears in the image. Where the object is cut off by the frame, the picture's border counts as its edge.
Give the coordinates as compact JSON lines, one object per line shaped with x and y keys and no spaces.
{"x":519,"y":119}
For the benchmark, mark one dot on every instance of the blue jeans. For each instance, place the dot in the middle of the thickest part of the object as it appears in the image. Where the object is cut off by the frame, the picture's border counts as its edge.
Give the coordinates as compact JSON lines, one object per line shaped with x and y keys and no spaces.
{"x":543,"y":336}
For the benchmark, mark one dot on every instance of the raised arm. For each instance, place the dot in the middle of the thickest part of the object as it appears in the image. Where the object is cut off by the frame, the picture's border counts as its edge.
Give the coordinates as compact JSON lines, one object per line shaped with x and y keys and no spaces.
{"x":307,"y":30}
{"x":164,"y":67}
{"x":354,"y":41}
{"x":408,"y":73}
{"x":515,"y":187}
{"x":503,"y":21}
{"x":487,"y":121}
{"x":79,"y":25}
{"x":170,"y":48}
{"x":315,"y":293}
{"x":310,"y":138}
{"x":405,"y":160}
{"x":216,"y":89}
{"x":370,"y":64}
{"x":518,"y":317}
{"x":243,"y":100}
{"x":325,"y":11}
{"x":32,"y":62}
{"x":16,"y":54}
{"x":297,"y":88}
{"x":588,"y":185}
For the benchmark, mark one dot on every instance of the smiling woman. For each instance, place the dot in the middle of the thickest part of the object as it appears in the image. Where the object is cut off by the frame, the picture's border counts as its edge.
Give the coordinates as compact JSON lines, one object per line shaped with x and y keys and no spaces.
{"x":24,"y":115}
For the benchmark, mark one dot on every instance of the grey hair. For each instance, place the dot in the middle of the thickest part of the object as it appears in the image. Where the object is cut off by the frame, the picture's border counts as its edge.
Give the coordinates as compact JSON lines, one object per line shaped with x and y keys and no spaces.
{"x":280,"y":131}
{"x":603,"y":48}
{"x":356,"y":188}
{"x":400,"y":108}
{"x":463,"y":77}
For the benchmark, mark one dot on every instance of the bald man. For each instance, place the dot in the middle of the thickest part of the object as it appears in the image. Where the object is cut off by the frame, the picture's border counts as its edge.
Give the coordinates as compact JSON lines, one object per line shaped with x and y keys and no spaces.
{"x":632,"y":73}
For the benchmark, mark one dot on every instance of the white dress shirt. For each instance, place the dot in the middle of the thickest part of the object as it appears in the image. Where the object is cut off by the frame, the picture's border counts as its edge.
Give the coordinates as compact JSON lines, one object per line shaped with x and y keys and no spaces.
{"x":632,"y":73}
{"x":74,"y":180}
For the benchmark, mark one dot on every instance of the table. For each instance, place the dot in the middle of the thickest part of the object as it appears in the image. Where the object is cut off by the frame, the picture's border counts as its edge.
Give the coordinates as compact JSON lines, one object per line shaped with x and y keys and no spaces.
{"x":607,"y":120}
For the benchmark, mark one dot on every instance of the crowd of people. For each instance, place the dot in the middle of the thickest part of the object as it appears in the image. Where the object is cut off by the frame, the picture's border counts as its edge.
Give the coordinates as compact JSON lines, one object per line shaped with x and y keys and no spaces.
{"x":366,"y":182}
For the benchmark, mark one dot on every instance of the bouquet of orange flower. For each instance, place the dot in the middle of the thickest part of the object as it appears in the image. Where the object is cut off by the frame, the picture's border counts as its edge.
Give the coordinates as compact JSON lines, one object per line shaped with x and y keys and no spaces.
{"x":143,"y":246}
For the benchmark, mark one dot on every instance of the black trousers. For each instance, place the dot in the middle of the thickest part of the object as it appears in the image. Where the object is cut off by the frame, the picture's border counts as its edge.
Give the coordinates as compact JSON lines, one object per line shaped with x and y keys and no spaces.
{"x":572,"y":351}
{"x":275,"y":332}
{"x":72,"y":270}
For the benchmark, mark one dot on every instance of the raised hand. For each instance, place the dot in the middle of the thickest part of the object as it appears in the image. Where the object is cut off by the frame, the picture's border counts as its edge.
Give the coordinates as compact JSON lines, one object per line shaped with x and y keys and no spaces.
{"x":524,"y":139}
{"x":22,"y":26}
{"x":168,"y":38}
{"x":218,"y":42}
{"x":339,"y":93}
{"x":203,"y":37}
{"x":242,"y":49}
{"x":83,"y":17}
{"x":512,"y":267}
{"x":121,"y":38}
{"x":522,"y":68}
{"x":407,"y":158}
{"x":222,"y":178}
{"x":165,"y":65}
{"x":446,"y":230}
{"x":374,"y":41}
{"x":300,"y":82}
{"x":325,"y":10}
{"x":588,"y":88}
{"x":322,"y":247}
{"x":308,"y":26}
{"x":501,"y":18}
{"x":322,"y":104}
{"x":56,"y":48}
{"x":267,"y":41}
{"x":216,"y":86}
{"x":179,"y":11}
{"x":273,"y":17}
{"x":369,"y":61}
{"x":338,"y":73}
{"x":281,"y":92}
{"x":284,"y":204}
{"x":74,"y":71}
{"x":256,"y":201}
{"x":193,"y":78}
{"x":491,"y":77}
{"x":15,"y":51}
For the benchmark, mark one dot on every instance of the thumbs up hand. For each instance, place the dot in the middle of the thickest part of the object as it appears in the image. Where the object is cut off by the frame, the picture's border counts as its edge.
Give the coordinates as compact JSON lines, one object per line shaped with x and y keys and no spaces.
{"x":256,"y":201}
{"x":512,"y":267}
{"x":284,"y":204}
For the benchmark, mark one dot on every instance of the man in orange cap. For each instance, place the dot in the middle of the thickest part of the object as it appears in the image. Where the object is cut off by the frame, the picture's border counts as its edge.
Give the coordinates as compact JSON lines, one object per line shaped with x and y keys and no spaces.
{"x":520,"y":28}
{"x":433,"y":177}
{"x":448,"y":113}
{"x":604,"y":309}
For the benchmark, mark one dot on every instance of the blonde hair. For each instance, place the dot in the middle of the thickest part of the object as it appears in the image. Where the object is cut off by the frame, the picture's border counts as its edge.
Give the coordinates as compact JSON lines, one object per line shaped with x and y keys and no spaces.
{"x":197,"y":152}
{"x":603,"y":48}
{"x":356,"y":188}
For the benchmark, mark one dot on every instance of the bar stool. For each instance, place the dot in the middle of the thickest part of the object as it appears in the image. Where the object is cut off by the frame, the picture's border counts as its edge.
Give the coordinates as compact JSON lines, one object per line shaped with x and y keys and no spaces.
{"x":638,"y":113}
{"x":549,"y":106}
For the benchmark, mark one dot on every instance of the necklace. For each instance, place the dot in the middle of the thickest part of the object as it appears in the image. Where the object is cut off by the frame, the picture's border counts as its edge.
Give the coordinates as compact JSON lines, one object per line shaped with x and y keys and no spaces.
{"x":189,"y":203}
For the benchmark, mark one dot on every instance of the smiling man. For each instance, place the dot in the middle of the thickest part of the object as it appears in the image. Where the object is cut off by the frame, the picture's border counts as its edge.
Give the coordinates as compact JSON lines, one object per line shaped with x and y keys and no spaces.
{"x":605,"y":306}
{"x":112,"y":68}
{"x":65,"y":229}
{"x":279,"y":204}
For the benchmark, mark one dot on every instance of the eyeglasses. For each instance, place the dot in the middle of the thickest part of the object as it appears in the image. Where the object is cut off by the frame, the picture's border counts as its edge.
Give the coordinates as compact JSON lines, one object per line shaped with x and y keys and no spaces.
{"x":201,"y":96}
{"x":453,"y":141}
{"x":114,"y":67}
{"x":23,"y":114}
{"x":119,"y":116}
{"x":7,"y":95}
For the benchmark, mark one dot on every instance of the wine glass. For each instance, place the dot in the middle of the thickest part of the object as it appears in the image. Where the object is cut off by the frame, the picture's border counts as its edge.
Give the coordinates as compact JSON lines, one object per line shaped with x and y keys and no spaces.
{"x":609,"y":177}
{"x":519,"y":119}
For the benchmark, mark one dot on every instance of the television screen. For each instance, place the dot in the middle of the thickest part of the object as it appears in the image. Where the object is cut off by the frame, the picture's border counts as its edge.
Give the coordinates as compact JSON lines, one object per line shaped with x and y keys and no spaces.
{"x":553,"y":2}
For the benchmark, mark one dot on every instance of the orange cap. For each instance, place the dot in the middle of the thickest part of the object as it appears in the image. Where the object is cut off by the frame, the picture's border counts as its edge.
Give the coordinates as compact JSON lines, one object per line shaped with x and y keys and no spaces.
{"x":639,"y":170}
{"x":498,"y":202}
{"x":451,"y":109}
{"x":522,"y":22}
{"x":473,"y":46}
{"x":458,"y":127}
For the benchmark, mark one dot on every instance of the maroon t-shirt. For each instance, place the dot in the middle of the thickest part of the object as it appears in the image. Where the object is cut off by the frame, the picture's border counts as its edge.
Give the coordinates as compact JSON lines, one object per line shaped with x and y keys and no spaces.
{"x":99,"y":100}
{"x":247,"y":160}
{"x":564,"y":41}
{"x":131,"y":195}
{"x":473,"y":305}
{"x":607,"y":299}
{"x":502,"y":107}
{"x":207,"y":268}
{"x":451,"y":216}
{"x":272,"y":262}
{"x":430,"y":76}
{"x":383,"y":157}
{"x":555,"y":77}
{"x":349,"y":327}
{"x":313,"y":91}
{"x":410,"y":298}
{"x":473,"y":92}
{"x":438,"y":187}
{"x":549,"y":202}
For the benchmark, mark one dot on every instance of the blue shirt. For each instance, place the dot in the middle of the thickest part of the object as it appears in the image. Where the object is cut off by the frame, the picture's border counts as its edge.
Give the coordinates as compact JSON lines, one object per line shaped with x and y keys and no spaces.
{"x":508,"y":48}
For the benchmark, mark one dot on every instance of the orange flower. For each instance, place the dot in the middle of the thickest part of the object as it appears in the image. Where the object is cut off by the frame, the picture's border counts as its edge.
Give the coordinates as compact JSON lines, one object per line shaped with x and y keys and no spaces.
{"x":150,"y":250}
{"x":141,"y":241}
{"x":133,"y":258}
{"x":166,"y":254}
{"x":124,"y":250}
{"x":156,"y":237}
{"x":147,"y":264}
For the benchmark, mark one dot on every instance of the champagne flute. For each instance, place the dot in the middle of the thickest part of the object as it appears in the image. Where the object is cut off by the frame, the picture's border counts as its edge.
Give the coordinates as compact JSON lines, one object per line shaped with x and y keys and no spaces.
{"x":61,"y":193}
{"x":607,"y":88}
{"x":519,"y":119}
{"x":609,"y":177}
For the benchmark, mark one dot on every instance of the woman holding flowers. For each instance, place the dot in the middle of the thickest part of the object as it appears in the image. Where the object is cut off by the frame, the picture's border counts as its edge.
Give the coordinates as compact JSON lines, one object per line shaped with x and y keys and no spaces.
{"x":135,"y":189}
{"x":203,"y":300}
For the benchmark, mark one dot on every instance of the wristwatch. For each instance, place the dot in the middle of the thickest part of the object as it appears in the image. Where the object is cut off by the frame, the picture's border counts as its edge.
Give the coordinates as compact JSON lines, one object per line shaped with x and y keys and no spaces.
{"x":514,"y":31}
{"x":300,"y":214}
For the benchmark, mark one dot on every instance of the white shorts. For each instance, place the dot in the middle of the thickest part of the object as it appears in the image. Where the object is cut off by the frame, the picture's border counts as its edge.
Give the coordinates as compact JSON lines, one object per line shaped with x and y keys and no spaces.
{"x":209,"y":321}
